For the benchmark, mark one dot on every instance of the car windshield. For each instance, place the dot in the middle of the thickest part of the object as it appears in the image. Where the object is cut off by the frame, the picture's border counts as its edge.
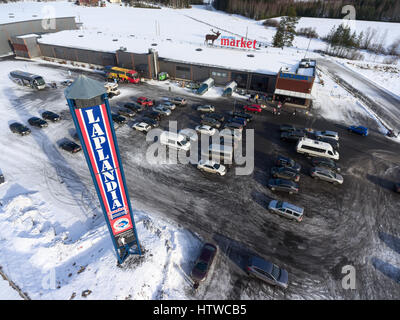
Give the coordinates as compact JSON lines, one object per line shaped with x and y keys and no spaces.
{"x":202,"y":266}
{"x":279,"y":204}
{"x":275,"y":272}
{"x":216,"y":166}
{"x":39,"y":81}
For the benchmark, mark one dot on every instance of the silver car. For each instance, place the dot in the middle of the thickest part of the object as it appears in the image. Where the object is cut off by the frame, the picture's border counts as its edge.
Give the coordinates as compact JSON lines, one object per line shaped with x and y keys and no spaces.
{"x":162,"y":110}
{"x":206,"y":108}
{"x":327,"y":134}
{"x":326,"y":175}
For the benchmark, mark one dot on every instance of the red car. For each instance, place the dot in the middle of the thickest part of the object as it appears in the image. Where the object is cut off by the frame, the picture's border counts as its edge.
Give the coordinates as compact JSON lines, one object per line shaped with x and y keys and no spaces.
{"x":145,"y":101}
{"x":253,"y":108}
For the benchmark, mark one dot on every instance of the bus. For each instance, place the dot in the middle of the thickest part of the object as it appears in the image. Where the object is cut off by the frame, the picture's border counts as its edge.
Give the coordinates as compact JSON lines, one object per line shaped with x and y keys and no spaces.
{"x":28,"y":79}
{"x":121,"y":74}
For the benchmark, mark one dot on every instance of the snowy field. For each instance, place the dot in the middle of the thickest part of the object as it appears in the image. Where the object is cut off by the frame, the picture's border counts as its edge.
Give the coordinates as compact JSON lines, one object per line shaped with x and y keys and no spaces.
{"x":44,"y":245}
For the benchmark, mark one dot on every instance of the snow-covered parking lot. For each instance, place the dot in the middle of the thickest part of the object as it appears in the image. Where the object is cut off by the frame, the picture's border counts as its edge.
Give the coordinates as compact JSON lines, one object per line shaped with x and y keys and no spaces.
{"x":55,"y":244}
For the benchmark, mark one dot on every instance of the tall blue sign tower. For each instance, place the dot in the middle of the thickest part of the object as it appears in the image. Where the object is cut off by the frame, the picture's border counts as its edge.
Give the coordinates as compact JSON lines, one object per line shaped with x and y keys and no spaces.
{"x":90,"y":110}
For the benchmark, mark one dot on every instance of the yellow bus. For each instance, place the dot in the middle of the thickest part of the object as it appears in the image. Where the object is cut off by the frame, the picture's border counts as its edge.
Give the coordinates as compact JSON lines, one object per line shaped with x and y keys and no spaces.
{"x":121,"y":74}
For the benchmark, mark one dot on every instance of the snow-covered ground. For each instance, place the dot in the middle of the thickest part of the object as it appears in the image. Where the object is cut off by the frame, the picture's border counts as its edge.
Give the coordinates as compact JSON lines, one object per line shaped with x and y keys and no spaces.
{"x":54,"y":242}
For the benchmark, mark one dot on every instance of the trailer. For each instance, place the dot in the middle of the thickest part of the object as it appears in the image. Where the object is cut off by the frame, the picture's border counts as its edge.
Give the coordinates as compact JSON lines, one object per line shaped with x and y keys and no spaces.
{"x":229,"y":89}
{"x":28,"y":79}
{"x":205,"y":86}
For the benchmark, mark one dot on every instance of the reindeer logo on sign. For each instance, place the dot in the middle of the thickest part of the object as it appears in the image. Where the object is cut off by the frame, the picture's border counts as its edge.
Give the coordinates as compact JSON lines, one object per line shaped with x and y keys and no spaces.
{"x":212,"y":37}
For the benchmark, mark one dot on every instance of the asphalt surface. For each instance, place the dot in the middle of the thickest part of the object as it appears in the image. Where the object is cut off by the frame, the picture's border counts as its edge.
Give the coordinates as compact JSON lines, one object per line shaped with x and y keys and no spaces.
{"x":384,"y":104}
{"x":353,"y":224}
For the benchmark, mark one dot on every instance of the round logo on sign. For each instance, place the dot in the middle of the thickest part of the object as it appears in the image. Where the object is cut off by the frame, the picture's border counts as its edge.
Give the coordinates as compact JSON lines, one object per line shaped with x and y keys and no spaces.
{"x":121,"y":224}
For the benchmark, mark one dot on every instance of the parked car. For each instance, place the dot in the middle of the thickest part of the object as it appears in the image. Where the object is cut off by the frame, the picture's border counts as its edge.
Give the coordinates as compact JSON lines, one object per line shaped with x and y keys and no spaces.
{"x":359,"y":130}
{"x":162,"y":110}
{"x":204,"y":129}
{"x":126,"y":112}
{"x":286,"y":210}
{"x":292,"y":136}
{"x":153,"y":115}
{"x":253,"y":108}
{"x":231,"y":133}
{"x":37,"y":122}
{"x":326,"y":134}
{"x":204,"y":262}
{"x":286,"y":162}
{"x":134,"y":106}
{"x":70,"y":146}
{"x":171,"y":106}
{"x":217,"y":116}
{"x":211,"y":122}
{"x":233,"y":126}
{"x":325,"y":163}
{"x":243,"y":115}
{"x":397,"y":187}
{"x":334,"y":143}
{"x":285,"y":173}
{"x":212,"y":167}
{"x":178,"y":101}
{"x":17,"y":127}
{"x":283,"y":185}
{"x":145,"y":101}
{"x":206,"y":108}
{"x":326,"y":175}
{"x":267,"y":271}
{"x":288,"y":128}
{"x":141,"y":126}
{"x":48,"y":115}
{"x":151,"y":122}
{"x":118,"y":119}
{"x":190,"y":134}
{"x":241,"y":121}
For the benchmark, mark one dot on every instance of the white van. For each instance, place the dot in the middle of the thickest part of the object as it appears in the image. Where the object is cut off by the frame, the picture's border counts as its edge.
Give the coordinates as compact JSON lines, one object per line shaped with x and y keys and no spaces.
{"x":174,"y":140}
{"x":219,"y":152}
{"x":316,"y":148}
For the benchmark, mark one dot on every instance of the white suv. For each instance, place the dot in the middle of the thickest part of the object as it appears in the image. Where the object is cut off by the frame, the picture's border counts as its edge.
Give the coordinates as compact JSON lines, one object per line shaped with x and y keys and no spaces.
{"x":141,"y":126}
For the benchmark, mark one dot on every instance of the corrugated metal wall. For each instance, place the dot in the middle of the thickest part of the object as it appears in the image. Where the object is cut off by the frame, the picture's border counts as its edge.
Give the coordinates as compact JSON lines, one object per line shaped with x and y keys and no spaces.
{"x":8,"y":30}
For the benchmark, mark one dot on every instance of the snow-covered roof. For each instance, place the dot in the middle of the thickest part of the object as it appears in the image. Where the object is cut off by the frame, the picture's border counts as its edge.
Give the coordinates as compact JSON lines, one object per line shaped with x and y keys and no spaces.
{"x":84,"y":88}
{"x":254,"y":60}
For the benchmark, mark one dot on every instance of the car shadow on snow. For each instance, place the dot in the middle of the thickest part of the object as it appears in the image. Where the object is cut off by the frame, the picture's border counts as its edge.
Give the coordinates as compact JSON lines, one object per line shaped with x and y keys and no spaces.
{"x":74,"y":185}
{"x":391,"y":241}
{"x":235,"y":251}
{"x":387,"y":269}
{"x":381,"y":182}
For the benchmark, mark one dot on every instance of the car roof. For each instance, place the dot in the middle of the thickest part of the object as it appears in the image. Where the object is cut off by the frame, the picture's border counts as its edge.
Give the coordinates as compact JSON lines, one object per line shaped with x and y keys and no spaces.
{"x":290,"y":206}
{"x":261,"y":263}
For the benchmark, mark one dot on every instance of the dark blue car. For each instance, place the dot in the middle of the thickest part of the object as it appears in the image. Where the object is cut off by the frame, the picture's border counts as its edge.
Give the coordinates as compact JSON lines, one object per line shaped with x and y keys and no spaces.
{"x":359,"y":129}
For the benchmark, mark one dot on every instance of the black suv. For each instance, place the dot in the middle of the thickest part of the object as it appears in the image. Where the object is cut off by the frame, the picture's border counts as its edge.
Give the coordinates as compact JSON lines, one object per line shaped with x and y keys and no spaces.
{"x":151,"y":122}
{"x":37,"y":122}
{"x":292,"y":136}
{"x":134,"y":106}
{"x":48,"y":115}
{"x":118,"y":119}
{"x":211,"y":122}
{"x":241,"y":121}
{"x":244,"y":115}
{"x":126,"y":112}
{"x":217,"y":116}
{"x":326,"y":163}
{"x":287,"y":163}
{"x":70,"y":146}
{"x":285,"y":173}
{"x":283,"y":185}
{"x":153,"y":115}
{"x":17,"y":127}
